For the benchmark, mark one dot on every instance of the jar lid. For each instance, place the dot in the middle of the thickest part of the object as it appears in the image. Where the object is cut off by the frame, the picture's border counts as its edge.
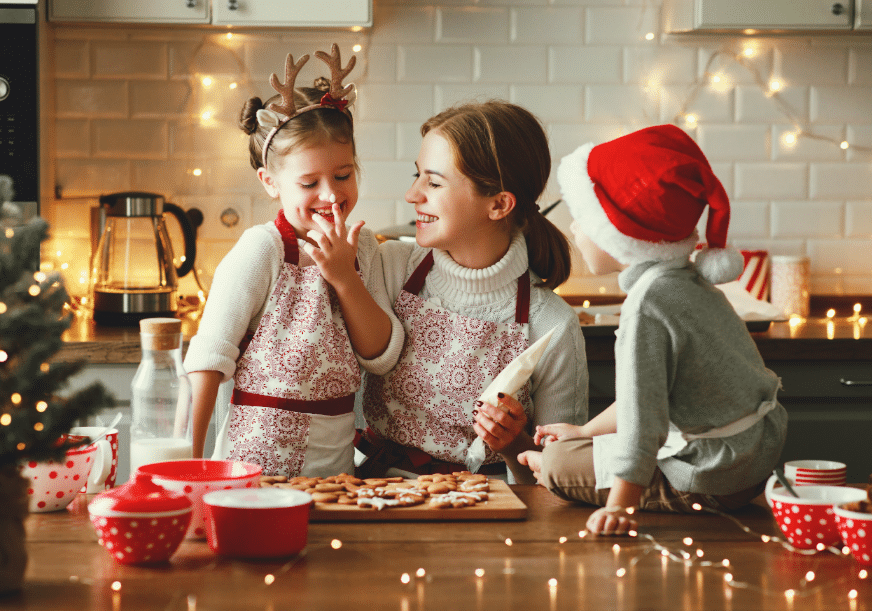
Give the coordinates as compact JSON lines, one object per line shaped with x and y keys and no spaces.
{"x":139,"y":497}
{"x":160,"y":326}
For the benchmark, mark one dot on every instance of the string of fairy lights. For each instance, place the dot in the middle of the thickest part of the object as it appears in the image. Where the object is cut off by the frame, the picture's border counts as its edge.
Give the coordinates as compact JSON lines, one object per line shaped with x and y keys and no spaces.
{"x":772,"y":88}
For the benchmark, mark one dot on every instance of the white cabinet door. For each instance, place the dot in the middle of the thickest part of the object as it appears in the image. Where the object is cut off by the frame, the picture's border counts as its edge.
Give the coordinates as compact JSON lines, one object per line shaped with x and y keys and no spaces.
{"x":290,"y":13}
{"x":690,"y":15}
{"x":130,"y":11}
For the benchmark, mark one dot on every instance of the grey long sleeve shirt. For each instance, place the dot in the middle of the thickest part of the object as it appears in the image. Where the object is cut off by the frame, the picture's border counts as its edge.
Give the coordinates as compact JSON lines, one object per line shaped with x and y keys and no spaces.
{"x":684,"y":356}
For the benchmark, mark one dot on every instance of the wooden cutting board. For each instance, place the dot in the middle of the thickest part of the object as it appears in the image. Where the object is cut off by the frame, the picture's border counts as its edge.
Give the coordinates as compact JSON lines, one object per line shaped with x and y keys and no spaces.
{"x":502,"y":504}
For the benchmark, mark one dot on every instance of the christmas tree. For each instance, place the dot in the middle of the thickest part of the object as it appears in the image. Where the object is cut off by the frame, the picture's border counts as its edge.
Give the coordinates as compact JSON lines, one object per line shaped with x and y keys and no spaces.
{"x":34,"y":417}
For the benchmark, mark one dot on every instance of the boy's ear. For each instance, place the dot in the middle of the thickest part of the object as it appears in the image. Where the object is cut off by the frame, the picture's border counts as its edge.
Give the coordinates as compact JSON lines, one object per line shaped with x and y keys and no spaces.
{"x":268,"y":182}
{"x":501,"y":205}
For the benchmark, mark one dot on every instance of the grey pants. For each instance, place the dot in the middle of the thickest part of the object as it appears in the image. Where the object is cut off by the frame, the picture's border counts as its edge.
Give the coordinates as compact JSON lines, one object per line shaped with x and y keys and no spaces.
{"x":567,"y":471}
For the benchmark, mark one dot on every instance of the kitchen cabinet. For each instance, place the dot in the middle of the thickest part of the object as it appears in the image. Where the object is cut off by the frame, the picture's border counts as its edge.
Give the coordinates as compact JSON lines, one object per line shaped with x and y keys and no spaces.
{"x":240,"y":13}
{"x":770,"y":15}
{"x":281,"y":13}
{"x":132,"y":11}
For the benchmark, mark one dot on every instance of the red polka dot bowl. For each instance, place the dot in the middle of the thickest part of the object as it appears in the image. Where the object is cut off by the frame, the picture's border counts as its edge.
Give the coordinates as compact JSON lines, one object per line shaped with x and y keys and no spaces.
{"x":140,"y":522}
{"x":54,"y":484}
{"x":856,"y":530}
{"x":809,"y":522}
{"x":257,"y":522}
{"x":194,"y":477}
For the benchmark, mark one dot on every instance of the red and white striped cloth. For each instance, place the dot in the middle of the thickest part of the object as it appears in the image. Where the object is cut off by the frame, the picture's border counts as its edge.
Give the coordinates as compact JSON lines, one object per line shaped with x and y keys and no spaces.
{"x":756,"y":277}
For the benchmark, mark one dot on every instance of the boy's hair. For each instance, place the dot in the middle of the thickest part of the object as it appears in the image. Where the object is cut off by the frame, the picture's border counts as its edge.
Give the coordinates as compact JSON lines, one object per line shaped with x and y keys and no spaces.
{"x":502,"y":147}
{"x":307,"y":129}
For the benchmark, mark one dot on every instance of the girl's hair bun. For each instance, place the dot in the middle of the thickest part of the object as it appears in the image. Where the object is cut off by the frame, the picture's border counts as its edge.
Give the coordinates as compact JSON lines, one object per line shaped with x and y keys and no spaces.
{"x":248,"y":115}
{"x":322,"y":83}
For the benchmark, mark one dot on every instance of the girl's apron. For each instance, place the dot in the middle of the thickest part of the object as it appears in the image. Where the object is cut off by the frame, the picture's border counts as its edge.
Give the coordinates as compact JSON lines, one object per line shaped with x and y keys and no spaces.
{"x":420,"y":413}
{"x":676,"y":439}
{"x":292,"y":408}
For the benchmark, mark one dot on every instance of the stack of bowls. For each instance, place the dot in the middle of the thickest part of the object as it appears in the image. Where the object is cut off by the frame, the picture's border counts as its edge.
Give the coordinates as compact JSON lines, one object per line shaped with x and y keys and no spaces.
{"x":195,"y":477}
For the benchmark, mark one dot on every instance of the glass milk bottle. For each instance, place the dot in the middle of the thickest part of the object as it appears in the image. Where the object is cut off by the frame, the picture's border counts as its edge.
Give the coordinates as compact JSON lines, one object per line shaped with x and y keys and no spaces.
{"x":160,"y":397}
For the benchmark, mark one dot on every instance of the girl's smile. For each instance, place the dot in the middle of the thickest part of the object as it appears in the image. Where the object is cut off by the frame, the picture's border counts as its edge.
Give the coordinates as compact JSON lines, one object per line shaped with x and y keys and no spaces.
{"x":309,"y":180}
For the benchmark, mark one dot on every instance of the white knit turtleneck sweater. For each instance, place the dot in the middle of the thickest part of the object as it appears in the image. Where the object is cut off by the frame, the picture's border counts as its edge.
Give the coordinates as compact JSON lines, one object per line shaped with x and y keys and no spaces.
{"x":560,"y":381}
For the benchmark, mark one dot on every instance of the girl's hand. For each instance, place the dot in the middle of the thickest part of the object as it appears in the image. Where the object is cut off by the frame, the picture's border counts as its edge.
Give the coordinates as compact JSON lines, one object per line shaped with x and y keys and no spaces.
{"x":614,"y":520}
{"x":547,"y":433}
{"x":500,"y":426}
{"x":336,"y":250}
{"x":533,"y":461}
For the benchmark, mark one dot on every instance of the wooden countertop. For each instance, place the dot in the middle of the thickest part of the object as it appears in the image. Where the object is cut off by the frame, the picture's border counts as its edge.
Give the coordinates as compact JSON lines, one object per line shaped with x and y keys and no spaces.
{"x":811,"y":339}
{"x":68,"y":570}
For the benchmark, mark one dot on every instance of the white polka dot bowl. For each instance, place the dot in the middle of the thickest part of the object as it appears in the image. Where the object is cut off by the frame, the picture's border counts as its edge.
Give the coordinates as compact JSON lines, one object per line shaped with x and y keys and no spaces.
{"x":54,"y":484}
{"x":809,"y":522}
{"x":140,"y":522}
{"x":194,"y":477}
{"x":856,"y":530}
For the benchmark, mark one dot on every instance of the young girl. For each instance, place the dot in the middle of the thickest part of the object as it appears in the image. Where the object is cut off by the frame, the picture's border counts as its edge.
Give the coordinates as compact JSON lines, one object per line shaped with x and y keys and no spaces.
{"x":472,"y":294}
{"x":290,"y":314}
{"x":695,"y":418}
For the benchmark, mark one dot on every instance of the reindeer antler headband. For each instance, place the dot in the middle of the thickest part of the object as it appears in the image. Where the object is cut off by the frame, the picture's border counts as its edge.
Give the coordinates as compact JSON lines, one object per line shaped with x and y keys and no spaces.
{"x":338,"y":97}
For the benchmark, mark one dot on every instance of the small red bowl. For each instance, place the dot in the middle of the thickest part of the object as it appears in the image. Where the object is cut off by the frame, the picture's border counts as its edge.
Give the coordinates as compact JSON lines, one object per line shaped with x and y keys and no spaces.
{"x":195,"y":477}
{"x":257,"y":522}
{"x":856,"y":530}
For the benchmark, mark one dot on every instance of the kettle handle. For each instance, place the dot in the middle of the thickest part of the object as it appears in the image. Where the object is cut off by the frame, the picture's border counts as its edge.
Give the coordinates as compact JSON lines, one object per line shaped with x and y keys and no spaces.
{"x":188,"y":234}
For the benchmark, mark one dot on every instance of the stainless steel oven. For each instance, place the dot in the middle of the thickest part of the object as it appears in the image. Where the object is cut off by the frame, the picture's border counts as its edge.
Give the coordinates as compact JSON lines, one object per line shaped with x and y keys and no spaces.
{"x":19,"y":102}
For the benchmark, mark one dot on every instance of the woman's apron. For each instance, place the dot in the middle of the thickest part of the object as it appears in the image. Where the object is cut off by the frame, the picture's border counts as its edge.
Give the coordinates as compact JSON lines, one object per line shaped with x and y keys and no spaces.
{"x":292,"y":408}
{"x":420,"y":413}
{"x":676,"y":439}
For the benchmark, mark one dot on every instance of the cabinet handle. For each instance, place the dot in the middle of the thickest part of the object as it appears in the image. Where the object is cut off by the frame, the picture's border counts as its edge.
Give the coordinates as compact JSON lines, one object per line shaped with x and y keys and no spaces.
{"x":232,"y":5}
{"x":838,"y":9}
{"x":191,"y":3}
{"x":855,"y":382}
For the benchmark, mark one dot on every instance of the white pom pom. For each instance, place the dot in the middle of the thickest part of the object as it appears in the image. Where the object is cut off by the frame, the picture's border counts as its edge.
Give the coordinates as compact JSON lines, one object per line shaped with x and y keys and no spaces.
{"x":720,"y":265}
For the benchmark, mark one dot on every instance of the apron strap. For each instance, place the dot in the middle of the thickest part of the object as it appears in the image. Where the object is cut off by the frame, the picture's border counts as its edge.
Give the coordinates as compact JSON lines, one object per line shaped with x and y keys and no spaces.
{"x":326,"y":407}
{"x":522,"y":307}
{"x":416,"y":281}
{"x":289,"y":239}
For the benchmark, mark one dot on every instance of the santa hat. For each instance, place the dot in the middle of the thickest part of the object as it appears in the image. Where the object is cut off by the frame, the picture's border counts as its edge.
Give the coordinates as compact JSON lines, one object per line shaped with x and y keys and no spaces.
{"x":639,"y":198}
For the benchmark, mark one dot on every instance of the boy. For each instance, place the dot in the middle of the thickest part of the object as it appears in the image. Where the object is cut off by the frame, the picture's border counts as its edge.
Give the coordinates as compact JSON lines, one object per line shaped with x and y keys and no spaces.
{"x":695,"y":418}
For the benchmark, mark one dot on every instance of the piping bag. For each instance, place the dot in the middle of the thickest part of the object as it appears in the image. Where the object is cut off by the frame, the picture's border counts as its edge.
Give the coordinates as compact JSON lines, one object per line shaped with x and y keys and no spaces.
{"x":509,"y":381}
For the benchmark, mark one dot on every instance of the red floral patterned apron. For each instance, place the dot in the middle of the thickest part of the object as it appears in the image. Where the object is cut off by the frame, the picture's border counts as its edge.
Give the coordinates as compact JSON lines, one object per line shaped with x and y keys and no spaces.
{"x":426,"y":401}
{"x":292,"y":409}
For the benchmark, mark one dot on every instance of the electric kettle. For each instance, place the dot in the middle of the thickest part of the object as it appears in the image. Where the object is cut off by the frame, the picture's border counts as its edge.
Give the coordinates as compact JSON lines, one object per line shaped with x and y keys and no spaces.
{"x":133,"y":273}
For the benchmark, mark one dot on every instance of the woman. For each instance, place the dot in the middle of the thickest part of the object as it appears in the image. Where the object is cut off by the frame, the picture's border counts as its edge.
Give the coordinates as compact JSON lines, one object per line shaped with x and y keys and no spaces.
{"x":472,"y":294}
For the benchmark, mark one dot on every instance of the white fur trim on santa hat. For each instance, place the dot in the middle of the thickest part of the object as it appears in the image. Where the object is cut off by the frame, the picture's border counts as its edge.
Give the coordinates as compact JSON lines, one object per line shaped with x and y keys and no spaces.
{"x":720,"y":265}
{"x":584,"y":205}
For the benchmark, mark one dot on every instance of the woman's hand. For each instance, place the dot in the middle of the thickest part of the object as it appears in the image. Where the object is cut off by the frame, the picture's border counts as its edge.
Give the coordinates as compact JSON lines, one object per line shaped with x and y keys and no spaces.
{"x":336,"y":248}
{"x":614,"y":520}
{"x":547,"y":433}
{"x":499,"y":426}
{"x":533,"y":461}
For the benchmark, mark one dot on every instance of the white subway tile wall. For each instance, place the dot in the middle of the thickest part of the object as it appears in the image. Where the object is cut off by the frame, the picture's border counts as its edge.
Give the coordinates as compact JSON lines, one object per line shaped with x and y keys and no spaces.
{"x":134,"y":110}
